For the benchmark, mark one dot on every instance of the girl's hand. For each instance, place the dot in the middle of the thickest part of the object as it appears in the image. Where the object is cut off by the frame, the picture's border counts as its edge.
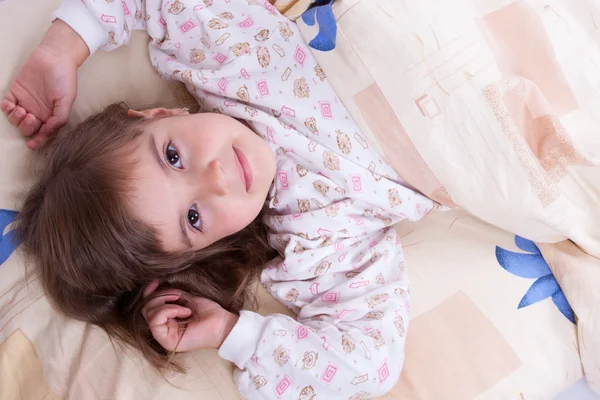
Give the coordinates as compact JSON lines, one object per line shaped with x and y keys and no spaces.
{"x":40,"y":98}
{"x":208,"y":330}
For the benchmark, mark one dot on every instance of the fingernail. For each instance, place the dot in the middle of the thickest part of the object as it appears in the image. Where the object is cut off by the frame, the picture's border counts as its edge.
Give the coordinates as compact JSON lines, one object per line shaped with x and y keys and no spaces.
{"x":20,"y":113}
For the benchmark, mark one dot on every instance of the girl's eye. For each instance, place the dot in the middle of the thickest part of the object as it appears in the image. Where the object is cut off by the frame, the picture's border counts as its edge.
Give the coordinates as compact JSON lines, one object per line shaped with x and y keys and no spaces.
{"x":194,"y":218}
{"x":173,"y":156}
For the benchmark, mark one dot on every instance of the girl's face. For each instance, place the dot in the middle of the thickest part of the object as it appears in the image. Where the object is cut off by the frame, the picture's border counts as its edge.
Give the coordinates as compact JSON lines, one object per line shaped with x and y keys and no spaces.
{"x":199,"y":178}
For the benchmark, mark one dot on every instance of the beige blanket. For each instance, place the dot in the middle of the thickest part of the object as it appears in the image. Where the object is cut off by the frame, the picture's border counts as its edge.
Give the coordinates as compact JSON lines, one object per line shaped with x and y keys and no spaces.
{"x":490,"y":106}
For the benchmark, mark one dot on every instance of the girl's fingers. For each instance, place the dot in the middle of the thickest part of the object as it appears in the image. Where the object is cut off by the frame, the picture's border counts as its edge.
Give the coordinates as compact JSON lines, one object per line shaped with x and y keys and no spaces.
{"x":16,"y":116}
{"x":7,"y":106}
{"x":160,"y":301}
{"x":164,"y":314}
{"x":29,"y":125}
{"x":150,"y":288}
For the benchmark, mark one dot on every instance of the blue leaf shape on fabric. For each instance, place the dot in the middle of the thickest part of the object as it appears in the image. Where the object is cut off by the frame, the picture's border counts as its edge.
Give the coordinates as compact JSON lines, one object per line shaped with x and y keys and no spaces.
{"x":321,"y":11}
{"x":8,"y":241}
{"x":526,"y":245}
{"x":529,"y":266}
{"x":541,"y":289}
{"x":563,"y":305}
{"x":533,"y":266}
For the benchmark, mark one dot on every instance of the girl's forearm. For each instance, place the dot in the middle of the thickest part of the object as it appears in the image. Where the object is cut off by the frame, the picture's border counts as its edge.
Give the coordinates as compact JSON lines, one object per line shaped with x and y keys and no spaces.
{"x":62,"y":39}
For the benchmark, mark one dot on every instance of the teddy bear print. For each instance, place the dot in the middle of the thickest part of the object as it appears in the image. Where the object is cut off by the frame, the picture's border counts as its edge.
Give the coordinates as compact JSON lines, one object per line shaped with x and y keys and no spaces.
{"x":399,"y":323}
{"x":377,"y":299}
{"x":321,"y":187}
{"x":368,"y":212}
{"x":320,"y":73}
{"x":176,"y":8}
{"x":322,"y":268}
{"x":379,"y":279}
{"x":186,"y":77}
{"x":301,"y":171}
{"x":262,"y":35}
{"x":326,"y":242}
{"x":311,"y":124}
{"x":259,"y":381}
{"x":303,"y":205}
{"x":251,"y":111}
{"x":309,"y":360}
{"x":138,"y":14}
{"x":275,"y":113}
{"x":386,"y":221}
{"x":332,"y":210}
{"x":197,"y":56}
{"x":281,"y":355}
{"x":400,"y":292}
{"x":348,"y":345}
{"x":239,"y":49}
{"x":226,"y":15}
{"x":285,"y":31}
{"x":208,"y":3}
{"x":292,"y":295}
{"x":243,"y":94}
{"x":303,"y":235}
{"x":394,"y":197}
{"x":307,"y":393}
{"x":360,"y":396}
{"x":343,"y":142}
{"x":301,"y":88}
{"x":352,"y":274}
{"x":341,"y":191}
{"x":216,"y":23}
{"x":299,"y":248}
{"x":279,"y":240}
{"x":111,"y":38}
{"x":377,"y":338}
{"x":263,"y":56}
{"x":377,"y":315}
{"x":378,"y":255}
{"x":331,"y":161}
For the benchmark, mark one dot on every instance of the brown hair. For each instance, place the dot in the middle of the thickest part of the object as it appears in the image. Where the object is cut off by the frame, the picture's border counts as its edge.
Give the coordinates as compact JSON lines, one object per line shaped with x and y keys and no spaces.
{"x":94,"y":258}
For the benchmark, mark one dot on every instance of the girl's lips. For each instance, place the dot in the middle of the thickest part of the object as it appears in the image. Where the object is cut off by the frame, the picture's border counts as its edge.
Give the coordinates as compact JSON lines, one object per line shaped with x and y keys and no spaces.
{"x":245,"y":169}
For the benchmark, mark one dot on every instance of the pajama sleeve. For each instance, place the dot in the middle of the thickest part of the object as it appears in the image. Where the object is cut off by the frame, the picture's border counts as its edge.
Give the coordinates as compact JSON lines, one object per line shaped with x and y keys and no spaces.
{"x":108,"y":24}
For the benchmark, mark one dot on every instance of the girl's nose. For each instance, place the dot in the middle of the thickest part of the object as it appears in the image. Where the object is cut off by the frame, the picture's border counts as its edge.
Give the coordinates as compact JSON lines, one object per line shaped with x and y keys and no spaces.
{"x":216,"y":179}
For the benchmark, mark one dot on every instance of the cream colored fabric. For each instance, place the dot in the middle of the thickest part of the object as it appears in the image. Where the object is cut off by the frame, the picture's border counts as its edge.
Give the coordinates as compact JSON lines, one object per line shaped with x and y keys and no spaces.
{"x":489,"y":105}
{"x":466,"y":333}
{"x":19,"y":368}
{"x":578,"y":274}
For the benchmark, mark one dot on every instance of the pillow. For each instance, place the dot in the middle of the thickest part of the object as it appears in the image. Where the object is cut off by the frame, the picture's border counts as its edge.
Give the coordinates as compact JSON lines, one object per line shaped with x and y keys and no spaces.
{"x":488,"y":105}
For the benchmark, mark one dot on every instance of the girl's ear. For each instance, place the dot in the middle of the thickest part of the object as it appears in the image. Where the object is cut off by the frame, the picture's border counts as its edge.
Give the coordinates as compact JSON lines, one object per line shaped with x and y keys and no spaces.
{"x":157,"y":112}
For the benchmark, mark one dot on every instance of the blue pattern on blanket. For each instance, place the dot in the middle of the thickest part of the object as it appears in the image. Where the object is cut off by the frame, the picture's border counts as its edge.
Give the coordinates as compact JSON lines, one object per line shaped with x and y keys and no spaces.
{"x":531,"y":265}
{"x":321,"y":11}
{"x":8,"y":240}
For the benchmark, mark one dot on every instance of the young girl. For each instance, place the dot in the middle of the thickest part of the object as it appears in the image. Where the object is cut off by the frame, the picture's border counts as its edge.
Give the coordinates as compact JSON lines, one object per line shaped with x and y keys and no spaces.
{"x":159,"y":215}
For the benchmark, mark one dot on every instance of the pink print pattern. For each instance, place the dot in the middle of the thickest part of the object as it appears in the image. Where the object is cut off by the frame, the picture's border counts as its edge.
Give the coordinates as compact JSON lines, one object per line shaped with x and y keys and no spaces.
{"x":300,"y":55}
{"x":187,"y":26}
{"x":329,"y":373}
{"x":282,"y":386}
{"x":326,"y":109}
{"x":108,"y":19}
{"x":263,"y":87}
